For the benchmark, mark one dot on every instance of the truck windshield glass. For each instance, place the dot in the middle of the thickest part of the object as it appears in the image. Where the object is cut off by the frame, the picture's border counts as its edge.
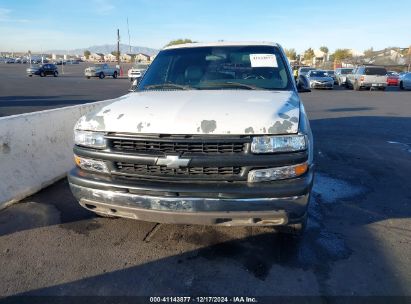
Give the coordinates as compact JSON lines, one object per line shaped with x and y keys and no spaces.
{"x":218,"y":68}
{"x":346,"y":71}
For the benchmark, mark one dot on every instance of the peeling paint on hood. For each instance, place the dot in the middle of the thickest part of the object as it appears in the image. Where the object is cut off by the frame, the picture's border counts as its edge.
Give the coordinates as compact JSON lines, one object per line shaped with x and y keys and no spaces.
{"x":198,"y":112}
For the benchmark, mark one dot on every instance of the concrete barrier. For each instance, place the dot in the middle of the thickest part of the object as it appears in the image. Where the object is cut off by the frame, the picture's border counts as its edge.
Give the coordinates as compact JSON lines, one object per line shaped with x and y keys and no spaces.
{"x":36,"y":149}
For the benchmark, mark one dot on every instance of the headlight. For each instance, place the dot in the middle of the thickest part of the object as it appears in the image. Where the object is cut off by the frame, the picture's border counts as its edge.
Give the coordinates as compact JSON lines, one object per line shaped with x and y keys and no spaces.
{"x":270,"y":174}
{"x":272,"y":144}
{"x":90,"y":139}
{"x":91,"y":164}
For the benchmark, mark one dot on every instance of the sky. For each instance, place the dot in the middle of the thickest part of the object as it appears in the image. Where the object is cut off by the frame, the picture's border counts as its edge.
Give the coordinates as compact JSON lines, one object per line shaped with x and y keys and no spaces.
{"x":40,"y":25}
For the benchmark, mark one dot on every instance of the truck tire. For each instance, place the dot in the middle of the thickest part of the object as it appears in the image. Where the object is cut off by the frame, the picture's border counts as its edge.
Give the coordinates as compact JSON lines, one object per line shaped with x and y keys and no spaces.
{"x":42,"y":74}
{"x":115,"y":75}
{"x":295,"y":229}
{"x":88,"y":77}
{"x":101,"y":75}
{"x":356,"y":86}
{"x":55,"y":74}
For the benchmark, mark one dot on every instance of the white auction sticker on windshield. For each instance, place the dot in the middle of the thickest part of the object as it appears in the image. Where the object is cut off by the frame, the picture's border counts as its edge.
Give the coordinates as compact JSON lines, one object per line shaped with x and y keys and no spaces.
{"x":263,"y":61}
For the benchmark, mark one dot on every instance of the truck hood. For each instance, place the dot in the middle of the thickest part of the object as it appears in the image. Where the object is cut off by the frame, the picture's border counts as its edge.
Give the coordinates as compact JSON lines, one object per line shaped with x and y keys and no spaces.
{"x":198,"y":112}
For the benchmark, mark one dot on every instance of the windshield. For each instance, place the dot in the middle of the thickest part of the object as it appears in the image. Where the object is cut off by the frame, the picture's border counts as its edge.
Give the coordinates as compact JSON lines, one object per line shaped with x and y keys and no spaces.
{"x":227,"y":67}
{"x":318,"y":74}
{"x":375,"y":71}
{"x":330,"y":72}
{"x":346,"y":71}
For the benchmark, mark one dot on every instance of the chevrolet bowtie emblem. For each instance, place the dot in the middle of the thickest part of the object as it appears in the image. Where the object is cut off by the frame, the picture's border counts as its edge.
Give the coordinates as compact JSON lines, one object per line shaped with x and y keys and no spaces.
{"x":173,"y":161}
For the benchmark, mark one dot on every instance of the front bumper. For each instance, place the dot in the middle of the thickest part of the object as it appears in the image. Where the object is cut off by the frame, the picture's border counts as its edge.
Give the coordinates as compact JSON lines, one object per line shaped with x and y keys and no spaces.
{"x":228,"y":204}
{"x":91,"y":74}
{"x":322,"y":85}
{"x":33,"y":72}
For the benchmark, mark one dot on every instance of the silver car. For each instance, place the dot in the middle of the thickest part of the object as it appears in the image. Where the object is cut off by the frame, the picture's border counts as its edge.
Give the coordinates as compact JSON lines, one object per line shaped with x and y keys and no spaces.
{"x":320,"y":80}
{"x":341,"y":75}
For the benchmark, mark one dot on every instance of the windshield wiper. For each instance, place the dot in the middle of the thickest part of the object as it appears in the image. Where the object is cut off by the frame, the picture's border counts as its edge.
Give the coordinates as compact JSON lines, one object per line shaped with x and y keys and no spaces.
{"x":236,"y":84}
{"x":167,"y":85}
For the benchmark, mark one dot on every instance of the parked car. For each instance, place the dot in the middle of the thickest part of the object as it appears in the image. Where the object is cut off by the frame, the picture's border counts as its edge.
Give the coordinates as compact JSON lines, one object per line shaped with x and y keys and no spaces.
{"x":367,"y":77}
{"x":21,"y":60}
{"x":331,"y":73}
{"x":305,"y":70}
{"x":60,"y":62}
{"x":137,"y":71}
{"x":320,"y":80}
{"x":43,"y":70}
{"x":101,"y":71}
{"x":341,"y":75}
{"x":203,"y":141}
{"x":72,"y":61}
{"x":405,"y":81}
{"x":393,"y":80}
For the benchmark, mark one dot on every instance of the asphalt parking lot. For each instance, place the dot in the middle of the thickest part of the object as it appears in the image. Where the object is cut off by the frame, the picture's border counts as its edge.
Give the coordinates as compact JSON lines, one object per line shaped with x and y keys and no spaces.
{"x":358,"y":241}
{"x":23,"y":94}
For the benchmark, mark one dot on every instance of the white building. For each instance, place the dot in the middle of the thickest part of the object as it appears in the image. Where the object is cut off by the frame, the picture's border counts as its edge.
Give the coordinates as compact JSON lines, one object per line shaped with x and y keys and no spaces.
{"x":140,"y":57}
{"x":110,"y":57}
{"x":96,"y":57}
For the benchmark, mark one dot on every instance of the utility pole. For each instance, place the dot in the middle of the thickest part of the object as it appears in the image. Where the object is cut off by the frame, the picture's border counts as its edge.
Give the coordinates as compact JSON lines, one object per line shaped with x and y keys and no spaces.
{"x":129,"y":43}
{"x":118,"y":47}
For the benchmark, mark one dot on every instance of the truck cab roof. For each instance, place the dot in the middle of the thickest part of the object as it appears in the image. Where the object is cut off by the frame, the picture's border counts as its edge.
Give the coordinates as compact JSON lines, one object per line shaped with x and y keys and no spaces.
{"x":221,"y":43}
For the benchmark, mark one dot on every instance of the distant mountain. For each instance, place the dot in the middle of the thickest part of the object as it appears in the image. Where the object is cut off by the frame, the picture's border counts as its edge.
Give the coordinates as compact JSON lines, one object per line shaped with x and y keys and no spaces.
{"x":106,"y":49}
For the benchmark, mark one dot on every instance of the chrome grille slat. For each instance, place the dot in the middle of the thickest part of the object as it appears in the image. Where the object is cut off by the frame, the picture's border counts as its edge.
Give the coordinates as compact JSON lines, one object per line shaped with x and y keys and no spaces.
{"x":152,"y":146}
{"x":142,"y":169}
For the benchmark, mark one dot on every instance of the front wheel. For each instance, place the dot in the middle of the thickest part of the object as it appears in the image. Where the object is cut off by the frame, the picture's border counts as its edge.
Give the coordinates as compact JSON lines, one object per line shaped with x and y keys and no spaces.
{"x":401,"y":86}
{"x":356,"y":86}
{"x":101,"y":75}
{"x":42,"y":74}
{"x":55,"y":74}
{"x":115,"y":75}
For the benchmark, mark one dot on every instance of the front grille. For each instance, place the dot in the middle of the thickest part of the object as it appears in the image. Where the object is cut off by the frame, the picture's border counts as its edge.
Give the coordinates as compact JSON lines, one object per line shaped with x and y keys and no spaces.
{"x":148,"y":146}
{"x":156,"y":170}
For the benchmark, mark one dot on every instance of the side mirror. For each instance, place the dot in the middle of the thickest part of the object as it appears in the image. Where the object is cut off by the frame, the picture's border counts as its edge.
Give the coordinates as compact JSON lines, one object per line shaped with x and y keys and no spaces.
{"x":303,"y":84}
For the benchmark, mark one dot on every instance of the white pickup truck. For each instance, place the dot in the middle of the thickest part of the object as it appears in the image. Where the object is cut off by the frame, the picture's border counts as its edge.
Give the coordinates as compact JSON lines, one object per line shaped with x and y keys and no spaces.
{"x":367,"y":77}
{"x":214,"y":134}
{"x":101,"y":71}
